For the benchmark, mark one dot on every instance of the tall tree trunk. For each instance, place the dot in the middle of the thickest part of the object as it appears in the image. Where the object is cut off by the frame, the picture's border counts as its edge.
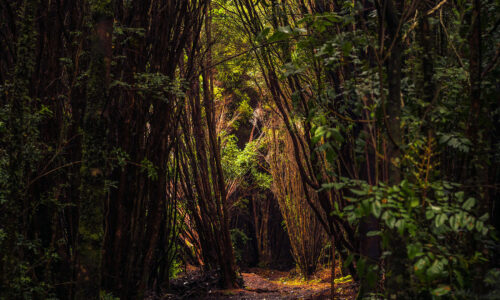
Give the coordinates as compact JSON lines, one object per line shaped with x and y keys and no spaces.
{"x":227,"y":260}
{"x":94,"y":154}
{"x":479,"y":167}
{"x":392,"y":120}
{"x":475,"y":69}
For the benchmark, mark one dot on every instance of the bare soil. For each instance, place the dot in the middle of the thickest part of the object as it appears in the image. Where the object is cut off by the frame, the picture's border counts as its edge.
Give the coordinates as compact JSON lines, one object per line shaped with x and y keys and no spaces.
{"x":270,"y":284}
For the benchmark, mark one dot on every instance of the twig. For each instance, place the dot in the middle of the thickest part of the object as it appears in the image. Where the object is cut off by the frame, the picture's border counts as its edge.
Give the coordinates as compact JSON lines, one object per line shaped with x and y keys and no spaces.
{"x":52,"y":171}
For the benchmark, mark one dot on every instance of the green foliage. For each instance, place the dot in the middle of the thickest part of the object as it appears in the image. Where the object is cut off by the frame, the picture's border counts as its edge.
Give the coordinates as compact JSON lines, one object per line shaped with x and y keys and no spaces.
{"x":458,"y":142}
{"x":245,"y":109}
{"x":437,"y":225}
{"x":239,"y":164}
{"x":148,"y":167}
{"x":239,"y":240}
{"x":107,"y":296}
{"x":101,"y":8}
{"x":22,"y":153}
{"x":158,"y":86}
{"x":175,"y":268}
{"x":434,"y":207}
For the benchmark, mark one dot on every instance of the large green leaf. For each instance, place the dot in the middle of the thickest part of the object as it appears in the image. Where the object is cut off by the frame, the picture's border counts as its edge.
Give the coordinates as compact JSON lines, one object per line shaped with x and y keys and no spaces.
{"x":469,"y":204}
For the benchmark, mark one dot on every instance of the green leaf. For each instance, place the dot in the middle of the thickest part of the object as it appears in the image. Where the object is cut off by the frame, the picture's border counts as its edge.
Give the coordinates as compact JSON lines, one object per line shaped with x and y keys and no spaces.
{"x":454,"y":222}
{"x":469,"y":222}
{"x":391,"y":222}
{"x":338,"y":185}
{"x":337,"y":208}
{"x":300,"y":30}
{"x":400,"y":225}
{"x":373,"y":233}
{"x":440,"y":219}
{"x":337,"y":135}
{"x":348,"y":260}
{"x":285,"y":29}
{"x":436,"y":269}
{"x":359,"y":192}
{"x":328,"y":186}
{"x":349,"y":207}
{"x":479,"y":225}
{"x":447,"y":185}
{"x":461,"y":218}
{"x":277,"y":37}
{"x":459,"y":277}
{"x":376,"y":208}
{"x":421,"y":264}
{"x":484,"y":217}
{"x":315,"y":139}
{"x":469,"y":203}
{"x":435,"y":208}
{"x":414,"y":250}
{"x":441,"y":290}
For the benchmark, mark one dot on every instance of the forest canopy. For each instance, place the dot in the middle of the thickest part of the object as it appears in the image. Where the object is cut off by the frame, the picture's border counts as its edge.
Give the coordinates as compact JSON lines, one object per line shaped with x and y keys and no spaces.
{"x":142,"y":139}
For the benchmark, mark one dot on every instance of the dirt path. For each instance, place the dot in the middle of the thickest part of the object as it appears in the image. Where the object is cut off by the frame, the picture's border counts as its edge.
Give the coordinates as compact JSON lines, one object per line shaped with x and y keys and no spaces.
{"x":270,"y":284}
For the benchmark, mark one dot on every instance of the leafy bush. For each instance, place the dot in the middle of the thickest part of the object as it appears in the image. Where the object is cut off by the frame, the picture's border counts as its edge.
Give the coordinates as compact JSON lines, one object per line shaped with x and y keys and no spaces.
{"x":429,"y":230}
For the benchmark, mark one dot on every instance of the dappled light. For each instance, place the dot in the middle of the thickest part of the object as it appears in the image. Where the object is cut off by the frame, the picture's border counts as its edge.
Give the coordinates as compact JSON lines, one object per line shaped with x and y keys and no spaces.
{"x":249,"y":149}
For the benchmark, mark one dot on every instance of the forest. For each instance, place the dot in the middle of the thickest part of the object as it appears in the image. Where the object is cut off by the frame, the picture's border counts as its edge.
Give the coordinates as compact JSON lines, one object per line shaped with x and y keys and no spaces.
{"x":249,"y":149}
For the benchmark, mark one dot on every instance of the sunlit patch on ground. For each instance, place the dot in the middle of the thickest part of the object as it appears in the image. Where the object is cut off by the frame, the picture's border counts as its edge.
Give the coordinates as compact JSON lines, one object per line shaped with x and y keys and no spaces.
{"x":273,"y":284}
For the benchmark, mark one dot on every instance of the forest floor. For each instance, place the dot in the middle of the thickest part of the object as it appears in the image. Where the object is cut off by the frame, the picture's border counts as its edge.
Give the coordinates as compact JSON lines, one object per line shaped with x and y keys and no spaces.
{"x":266,"y":284}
